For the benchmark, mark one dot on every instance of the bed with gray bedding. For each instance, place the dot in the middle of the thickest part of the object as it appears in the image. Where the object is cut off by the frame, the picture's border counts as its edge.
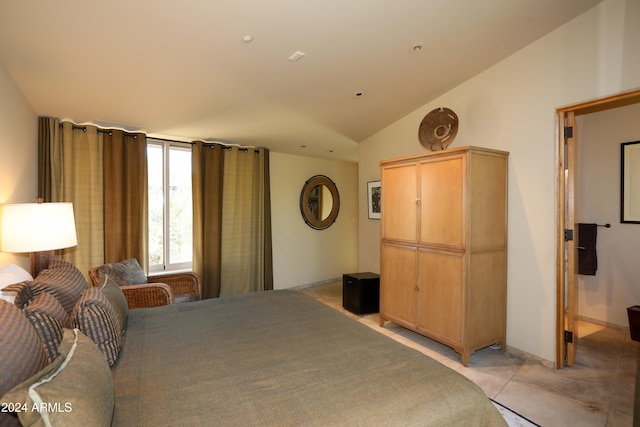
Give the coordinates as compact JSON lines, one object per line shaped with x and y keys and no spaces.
{"x":280,"y":358}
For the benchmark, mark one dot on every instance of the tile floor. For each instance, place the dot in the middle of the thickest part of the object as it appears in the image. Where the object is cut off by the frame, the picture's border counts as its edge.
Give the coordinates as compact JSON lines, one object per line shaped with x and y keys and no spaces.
{"x":597,"y":391}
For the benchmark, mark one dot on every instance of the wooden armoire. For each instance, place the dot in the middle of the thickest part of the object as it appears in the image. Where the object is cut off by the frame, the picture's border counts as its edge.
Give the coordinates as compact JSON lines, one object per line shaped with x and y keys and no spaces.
{"x":443,"y":270}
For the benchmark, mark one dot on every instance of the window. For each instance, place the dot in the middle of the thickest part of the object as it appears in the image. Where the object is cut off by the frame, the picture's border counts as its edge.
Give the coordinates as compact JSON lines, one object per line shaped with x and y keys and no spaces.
{"x":170,"y":207}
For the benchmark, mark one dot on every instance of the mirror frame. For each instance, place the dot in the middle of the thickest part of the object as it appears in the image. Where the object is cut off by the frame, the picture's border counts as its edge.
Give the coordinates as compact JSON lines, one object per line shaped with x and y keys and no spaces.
{"x":311,"y":183}
{"x":629,"y":189}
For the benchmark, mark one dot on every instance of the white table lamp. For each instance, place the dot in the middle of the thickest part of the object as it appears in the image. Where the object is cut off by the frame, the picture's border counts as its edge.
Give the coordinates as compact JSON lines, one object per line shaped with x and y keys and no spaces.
{"x":37,"y":228}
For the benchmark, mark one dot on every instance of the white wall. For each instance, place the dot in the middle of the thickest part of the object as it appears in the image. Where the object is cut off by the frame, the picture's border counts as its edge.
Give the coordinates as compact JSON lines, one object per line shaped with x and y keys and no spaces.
{"x":511,"y":107}
{"x":616,"y":285}
{"x":18,"y":153}
{"x":302,"y":255}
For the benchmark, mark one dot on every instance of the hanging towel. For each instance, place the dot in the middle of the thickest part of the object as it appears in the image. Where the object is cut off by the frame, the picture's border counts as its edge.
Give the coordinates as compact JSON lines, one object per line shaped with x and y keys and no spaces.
{"x":587,"y":256}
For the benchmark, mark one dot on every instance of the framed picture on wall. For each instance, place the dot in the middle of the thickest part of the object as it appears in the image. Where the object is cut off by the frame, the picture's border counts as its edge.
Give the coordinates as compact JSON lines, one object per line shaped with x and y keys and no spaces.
{"x":373,"y":196}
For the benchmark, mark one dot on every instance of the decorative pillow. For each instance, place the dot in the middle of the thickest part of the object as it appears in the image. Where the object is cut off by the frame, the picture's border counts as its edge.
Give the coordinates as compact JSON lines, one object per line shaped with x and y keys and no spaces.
{"x":77,"y":388}
{"x":21,"y":352}
{"x":116,"y":298}
{"x":63,"y":280}
{"x":22,"y":292}
{"x":127,"y":272}
{"x":8,"y":276}
{"x":95,"y":318}
{"x":49,"y":319}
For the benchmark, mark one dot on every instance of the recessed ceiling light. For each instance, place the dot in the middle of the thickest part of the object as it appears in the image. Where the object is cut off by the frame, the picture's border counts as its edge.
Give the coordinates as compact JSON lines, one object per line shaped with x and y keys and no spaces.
{"x":416,"y":48}
{"x":247,"y":38}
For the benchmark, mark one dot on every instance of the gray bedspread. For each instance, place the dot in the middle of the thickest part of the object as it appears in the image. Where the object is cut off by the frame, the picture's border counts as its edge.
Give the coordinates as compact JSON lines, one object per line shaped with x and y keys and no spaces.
{"x":281,"y":358}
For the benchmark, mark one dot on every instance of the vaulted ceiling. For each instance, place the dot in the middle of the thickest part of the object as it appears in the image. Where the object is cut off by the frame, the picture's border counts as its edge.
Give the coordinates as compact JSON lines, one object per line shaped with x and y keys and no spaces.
{"x":226,"y":69}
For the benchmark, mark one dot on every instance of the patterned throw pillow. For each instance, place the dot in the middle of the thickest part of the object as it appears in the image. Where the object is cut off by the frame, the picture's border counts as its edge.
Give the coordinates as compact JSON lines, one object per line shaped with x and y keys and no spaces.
{"x":116,"y":298}
{"x":21,"y":352}
{"x":79,"y":380}
{"x":49,"y":319}
{"x":63,"y":280}
{"x":23,"y":292}
{"x":127,"y":272}
{"x":95,"y":318}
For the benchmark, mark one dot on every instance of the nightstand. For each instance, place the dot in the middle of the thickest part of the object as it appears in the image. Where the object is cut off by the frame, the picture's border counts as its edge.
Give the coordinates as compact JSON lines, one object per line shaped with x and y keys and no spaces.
{"x":361,"y":292}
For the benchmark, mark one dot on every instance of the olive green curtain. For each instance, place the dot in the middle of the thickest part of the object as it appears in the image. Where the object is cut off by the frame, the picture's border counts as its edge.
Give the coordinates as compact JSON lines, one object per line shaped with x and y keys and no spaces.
{"x":70,"y":170}
{"x":126,"y":212}
{"x":232,"y":219}
{"x":207,"y":172}
{"x":104,"y":174}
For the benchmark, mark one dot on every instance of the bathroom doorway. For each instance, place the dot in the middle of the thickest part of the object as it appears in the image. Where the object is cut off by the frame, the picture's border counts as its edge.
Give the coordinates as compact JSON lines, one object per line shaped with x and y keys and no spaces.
{"x":568,"y":145}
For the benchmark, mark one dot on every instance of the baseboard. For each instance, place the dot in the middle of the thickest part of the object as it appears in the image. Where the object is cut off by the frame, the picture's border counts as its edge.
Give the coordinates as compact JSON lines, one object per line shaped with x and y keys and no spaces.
{"x":603,"y":323}
{"x":531,"y":358}
{"x":322,"y":282}
{"x":551,"y":365}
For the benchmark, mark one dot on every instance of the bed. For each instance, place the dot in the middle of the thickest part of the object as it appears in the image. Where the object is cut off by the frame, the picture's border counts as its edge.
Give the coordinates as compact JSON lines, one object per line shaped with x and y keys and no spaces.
{"x":280,"y":358}
{"x":75,"y":355}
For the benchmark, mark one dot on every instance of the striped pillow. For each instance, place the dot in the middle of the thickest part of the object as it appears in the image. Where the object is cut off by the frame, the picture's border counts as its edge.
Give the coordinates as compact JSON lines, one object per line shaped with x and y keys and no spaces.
{"x":21,"y":352}
{"x":63,"y":280}
{"x":23,"y":292}
{"x":95,"y":318}
{"x":116,"y":298}
{"x":49,"y":319}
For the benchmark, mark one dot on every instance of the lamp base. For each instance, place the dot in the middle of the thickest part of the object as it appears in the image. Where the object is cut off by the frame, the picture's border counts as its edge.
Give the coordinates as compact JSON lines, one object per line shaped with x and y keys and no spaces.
{"x":40,"y":261}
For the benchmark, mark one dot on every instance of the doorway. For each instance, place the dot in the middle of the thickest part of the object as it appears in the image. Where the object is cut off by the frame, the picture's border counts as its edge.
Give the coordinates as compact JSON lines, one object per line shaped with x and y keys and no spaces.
{"x":568,"y":145}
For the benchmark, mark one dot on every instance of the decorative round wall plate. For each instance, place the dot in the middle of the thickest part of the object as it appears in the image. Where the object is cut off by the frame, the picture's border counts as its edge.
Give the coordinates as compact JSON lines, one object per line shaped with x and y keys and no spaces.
{"x":438,"y":129}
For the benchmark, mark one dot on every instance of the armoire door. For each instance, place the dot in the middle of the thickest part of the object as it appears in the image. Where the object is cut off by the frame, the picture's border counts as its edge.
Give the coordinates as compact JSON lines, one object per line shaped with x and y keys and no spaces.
{"x":398,"y":280}
{"x":442,"y":203}
{"x":441,"y":295}
{"x":399,"y":210}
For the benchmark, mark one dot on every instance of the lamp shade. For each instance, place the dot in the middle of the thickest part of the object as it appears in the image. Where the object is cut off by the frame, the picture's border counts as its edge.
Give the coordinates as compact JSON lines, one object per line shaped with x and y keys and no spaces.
{"x":35,"y":227}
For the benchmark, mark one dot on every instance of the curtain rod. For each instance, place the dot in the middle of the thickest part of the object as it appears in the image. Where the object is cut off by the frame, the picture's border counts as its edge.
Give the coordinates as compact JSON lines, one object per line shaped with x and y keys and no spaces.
{"x":211,"y":144}
{"x":169,"y":140}
{"x":83,"y":128}
{"x":135,"y":135}
{"x":230,"y":147}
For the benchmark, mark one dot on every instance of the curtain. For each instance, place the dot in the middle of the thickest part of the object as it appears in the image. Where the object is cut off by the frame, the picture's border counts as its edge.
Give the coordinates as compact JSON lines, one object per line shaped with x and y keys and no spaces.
{"x":125,"y":197}
{"x":75,"y":166}
{"x":265,"y":220}
{"x":207,"y":171}
{"x":70,"y":170}
{"x":232,"y":220}
{"x":48,"y":131}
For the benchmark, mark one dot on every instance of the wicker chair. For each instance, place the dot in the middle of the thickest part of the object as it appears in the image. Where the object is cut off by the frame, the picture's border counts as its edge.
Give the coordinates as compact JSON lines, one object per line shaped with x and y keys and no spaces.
{"x":160,"y":289}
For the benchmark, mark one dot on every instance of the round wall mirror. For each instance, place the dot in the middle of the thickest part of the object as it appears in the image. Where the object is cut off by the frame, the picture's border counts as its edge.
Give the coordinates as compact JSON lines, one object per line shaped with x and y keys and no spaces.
{"x":319,"y":202}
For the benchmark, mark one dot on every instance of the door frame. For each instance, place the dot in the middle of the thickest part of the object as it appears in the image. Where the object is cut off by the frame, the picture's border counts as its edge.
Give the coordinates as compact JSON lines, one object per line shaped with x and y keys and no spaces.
{"x":594,"y":106}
